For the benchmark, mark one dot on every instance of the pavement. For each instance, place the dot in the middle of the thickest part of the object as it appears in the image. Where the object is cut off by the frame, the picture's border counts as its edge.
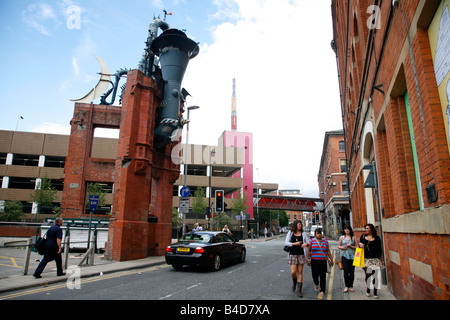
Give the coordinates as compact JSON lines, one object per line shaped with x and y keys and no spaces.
{"x":13,"y":281}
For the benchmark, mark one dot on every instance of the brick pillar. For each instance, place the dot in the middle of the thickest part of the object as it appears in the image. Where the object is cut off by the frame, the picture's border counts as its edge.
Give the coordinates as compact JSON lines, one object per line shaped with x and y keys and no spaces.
{"x":144,"y":178}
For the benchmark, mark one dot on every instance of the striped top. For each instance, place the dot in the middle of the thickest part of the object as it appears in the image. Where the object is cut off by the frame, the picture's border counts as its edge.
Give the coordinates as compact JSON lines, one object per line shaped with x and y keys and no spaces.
{"x":318,"y":253}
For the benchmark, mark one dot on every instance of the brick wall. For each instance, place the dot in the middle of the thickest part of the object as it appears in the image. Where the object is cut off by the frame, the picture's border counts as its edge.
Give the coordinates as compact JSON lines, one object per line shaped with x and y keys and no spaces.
{"x":377,"y":129}
{"x":18,"y":230}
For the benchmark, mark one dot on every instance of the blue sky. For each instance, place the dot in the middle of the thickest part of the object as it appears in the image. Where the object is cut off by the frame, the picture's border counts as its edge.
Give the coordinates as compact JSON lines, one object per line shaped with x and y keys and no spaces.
{"x":278,"y":50}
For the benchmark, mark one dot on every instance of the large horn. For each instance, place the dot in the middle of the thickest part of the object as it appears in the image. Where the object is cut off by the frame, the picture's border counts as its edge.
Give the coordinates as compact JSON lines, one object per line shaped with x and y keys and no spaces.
{"x":175,"y":50}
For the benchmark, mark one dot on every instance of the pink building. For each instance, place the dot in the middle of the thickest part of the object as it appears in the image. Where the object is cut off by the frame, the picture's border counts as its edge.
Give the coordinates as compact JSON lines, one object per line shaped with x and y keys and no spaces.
{"x":244,"y":141}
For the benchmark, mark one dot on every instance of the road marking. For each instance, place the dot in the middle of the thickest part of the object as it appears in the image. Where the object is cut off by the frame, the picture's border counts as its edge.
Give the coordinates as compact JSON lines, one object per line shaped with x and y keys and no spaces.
{"x":329,"y":279}
{"x":230,"y":272}
{"x":12,"y":261}
{"x":172,"y":294}
{"x":330,"y":286}
{"x":83,"y":281}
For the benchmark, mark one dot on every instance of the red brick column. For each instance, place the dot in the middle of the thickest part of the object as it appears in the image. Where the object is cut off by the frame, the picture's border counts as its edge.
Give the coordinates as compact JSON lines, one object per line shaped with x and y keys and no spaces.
{"x":144,"y":177}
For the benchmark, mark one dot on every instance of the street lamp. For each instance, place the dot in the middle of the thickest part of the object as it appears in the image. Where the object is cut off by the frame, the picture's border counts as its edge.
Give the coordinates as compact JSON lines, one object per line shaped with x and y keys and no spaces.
{"x":185,"y":161}
{"x":257,"y":208}
{"x":211,"y":153}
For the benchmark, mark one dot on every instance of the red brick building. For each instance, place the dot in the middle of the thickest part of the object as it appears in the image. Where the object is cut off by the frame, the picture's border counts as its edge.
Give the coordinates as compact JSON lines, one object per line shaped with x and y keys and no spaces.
{"x":333,"y":184}
{"x":393,"y":62}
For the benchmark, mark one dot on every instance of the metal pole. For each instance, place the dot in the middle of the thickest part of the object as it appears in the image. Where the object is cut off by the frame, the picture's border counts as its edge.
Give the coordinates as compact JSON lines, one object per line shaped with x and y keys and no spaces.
{"x":257,"y":211}
{"x":186,"y":160}
{"x":27,"y":256}
{"x":89,"y":235}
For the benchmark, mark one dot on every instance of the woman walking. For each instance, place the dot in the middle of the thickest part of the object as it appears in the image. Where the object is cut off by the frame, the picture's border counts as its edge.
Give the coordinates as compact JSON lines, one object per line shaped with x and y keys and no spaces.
{"x":297,"y":240}
{"x":347,"y":243}
{"x":371,"y":243}
{"x":318,"y":253}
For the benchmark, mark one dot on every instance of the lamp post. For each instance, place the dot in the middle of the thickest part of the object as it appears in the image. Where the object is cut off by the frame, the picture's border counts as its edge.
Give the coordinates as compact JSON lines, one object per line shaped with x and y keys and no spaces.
{"x":211,"y":153}
{"x":257,"y":209}
{"x":185,"y":161}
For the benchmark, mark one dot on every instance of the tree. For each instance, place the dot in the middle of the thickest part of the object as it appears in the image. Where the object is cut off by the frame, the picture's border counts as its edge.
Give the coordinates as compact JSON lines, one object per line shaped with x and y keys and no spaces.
{"x":95,"y":189}
{"x":240,"y":204}
{"x":221,"y":220}
{"x":176,"y":219}
{"x":13,"y":211}
{"x":199,"y":203}
{"x":44,"y":194}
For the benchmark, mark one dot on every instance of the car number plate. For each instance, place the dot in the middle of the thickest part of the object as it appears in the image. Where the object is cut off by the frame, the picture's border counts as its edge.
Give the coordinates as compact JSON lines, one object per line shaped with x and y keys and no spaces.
{"x":183,"y":250}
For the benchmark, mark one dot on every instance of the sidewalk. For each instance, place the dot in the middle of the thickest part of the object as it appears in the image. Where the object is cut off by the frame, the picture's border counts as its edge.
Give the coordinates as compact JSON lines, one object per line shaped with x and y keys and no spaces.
{"x":359,"y":284}
{"x":20,"y":282}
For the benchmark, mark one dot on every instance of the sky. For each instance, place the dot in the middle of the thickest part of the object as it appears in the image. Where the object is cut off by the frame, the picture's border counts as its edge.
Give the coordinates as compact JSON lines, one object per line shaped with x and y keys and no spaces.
{"x":277,"y":50}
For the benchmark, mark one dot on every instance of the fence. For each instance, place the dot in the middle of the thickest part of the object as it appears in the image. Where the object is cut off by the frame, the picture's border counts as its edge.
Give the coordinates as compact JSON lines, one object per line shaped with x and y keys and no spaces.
{"x":88,"y":257}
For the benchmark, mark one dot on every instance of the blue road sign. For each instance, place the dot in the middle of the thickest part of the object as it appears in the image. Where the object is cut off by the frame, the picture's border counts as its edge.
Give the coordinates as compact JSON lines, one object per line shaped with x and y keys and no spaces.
{"x":185,"y":192}
{"x":93,"y":202}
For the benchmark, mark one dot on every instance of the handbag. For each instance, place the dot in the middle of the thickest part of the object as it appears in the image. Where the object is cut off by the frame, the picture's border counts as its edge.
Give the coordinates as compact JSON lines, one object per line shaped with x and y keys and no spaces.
{"x":287,"y":249}
{"x":339,"y":261}
{"x":358,"y":261}
{"x":328,"y":266}
{"x":40,"y":244}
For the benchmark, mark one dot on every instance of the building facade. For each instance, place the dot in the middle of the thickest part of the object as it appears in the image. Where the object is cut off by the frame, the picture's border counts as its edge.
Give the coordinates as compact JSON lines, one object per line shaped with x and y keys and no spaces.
{"x":333,"y":184}
{"x":26,"y":158}
{"x":393,"y":66}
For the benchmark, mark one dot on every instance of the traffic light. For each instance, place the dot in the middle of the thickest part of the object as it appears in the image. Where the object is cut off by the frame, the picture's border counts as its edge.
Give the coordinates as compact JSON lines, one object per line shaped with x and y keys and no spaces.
{"x":219,"y":201}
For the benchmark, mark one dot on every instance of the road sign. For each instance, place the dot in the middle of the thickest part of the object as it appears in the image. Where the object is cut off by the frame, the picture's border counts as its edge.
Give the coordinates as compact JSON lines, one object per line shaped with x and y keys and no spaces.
{"x":93,"y":202}
{"x":184,"y":205}
{"x":185,"y":192}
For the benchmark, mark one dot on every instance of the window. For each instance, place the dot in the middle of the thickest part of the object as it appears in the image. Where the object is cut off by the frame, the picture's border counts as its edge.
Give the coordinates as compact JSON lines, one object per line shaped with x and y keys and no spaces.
{"x":345,"y":191}
{"x":54,"y":162}
{"x":22,"y":183}
{"x":25,"y":160}
{"x":343,"y":165}
{"x":3,"y":158}
{"x":342,"y":146}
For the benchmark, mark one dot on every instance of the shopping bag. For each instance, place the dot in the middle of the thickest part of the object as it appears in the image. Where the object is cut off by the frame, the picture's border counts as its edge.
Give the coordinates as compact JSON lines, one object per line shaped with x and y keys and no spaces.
{"x":40,"y":245}
{"x":358,"y":261}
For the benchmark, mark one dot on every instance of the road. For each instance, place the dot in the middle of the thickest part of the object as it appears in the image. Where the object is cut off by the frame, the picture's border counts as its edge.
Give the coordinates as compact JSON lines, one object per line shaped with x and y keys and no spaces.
{"x":264,"y":276}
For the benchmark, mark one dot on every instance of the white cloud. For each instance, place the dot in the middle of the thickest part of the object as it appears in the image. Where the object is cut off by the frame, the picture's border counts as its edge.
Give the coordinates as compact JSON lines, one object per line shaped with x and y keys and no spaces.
{"x":287,"y":89}
{"x":52,"y":128}
{"x":37,"y":16}
{"x":76,"y":68}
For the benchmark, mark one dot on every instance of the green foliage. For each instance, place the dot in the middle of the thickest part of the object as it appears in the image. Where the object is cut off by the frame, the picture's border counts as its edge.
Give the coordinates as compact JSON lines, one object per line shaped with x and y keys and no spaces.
{"x":199,"y":203}
{"x":240,"y":204}
{"x":13,"y":211}
{"x":44,"y":194}
{"x":95,"y":189}
{"x":176,"y":219}
{"x":265,"y":215}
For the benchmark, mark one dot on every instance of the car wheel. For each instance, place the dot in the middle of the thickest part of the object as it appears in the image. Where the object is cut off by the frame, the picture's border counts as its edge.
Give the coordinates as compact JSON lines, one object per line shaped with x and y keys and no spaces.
{"x":243,"y":254}
{"x":217,"y":262}
{"x":177,"y":266}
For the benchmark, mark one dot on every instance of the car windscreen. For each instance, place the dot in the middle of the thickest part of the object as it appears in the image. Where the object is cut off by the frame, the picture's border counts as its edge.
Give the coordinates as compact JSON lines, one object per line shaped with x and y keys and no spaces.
{"x":196,"y":237}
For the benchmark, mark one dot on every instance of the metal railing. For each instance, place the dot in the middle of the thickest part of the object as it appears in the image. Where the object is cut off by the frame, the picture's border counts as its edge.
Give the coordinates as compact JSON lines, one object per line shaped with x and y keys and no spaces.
{"x":88,"y":257}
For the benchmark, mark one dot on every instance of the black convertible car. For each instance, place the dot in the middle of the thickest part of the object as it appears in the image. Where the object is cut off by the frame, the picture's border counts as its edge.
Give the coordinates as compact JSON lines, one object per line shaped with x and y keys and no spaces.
{"x":205,"y":249}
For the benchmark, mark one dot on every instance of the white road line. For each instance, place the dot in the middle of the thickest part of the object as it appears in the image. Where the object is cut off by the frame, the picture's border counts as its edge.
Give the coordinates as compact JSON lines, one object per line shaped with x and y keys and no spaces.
{"x":186,"y":289}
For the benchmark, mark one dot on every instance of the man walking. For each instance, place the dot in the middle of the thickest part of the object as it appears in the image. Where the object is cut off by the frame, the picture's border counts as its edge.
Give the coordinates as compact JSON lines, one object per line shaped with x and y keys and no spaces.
{"x":52,"y":249}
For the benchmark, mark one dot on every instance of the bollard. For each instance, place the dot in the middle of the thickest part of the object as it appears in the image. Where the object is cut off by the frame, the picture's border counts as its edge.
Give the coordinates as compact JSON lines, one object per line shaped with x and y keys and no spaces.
{"x":66,"y":251}
{"x":27,"y":257}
